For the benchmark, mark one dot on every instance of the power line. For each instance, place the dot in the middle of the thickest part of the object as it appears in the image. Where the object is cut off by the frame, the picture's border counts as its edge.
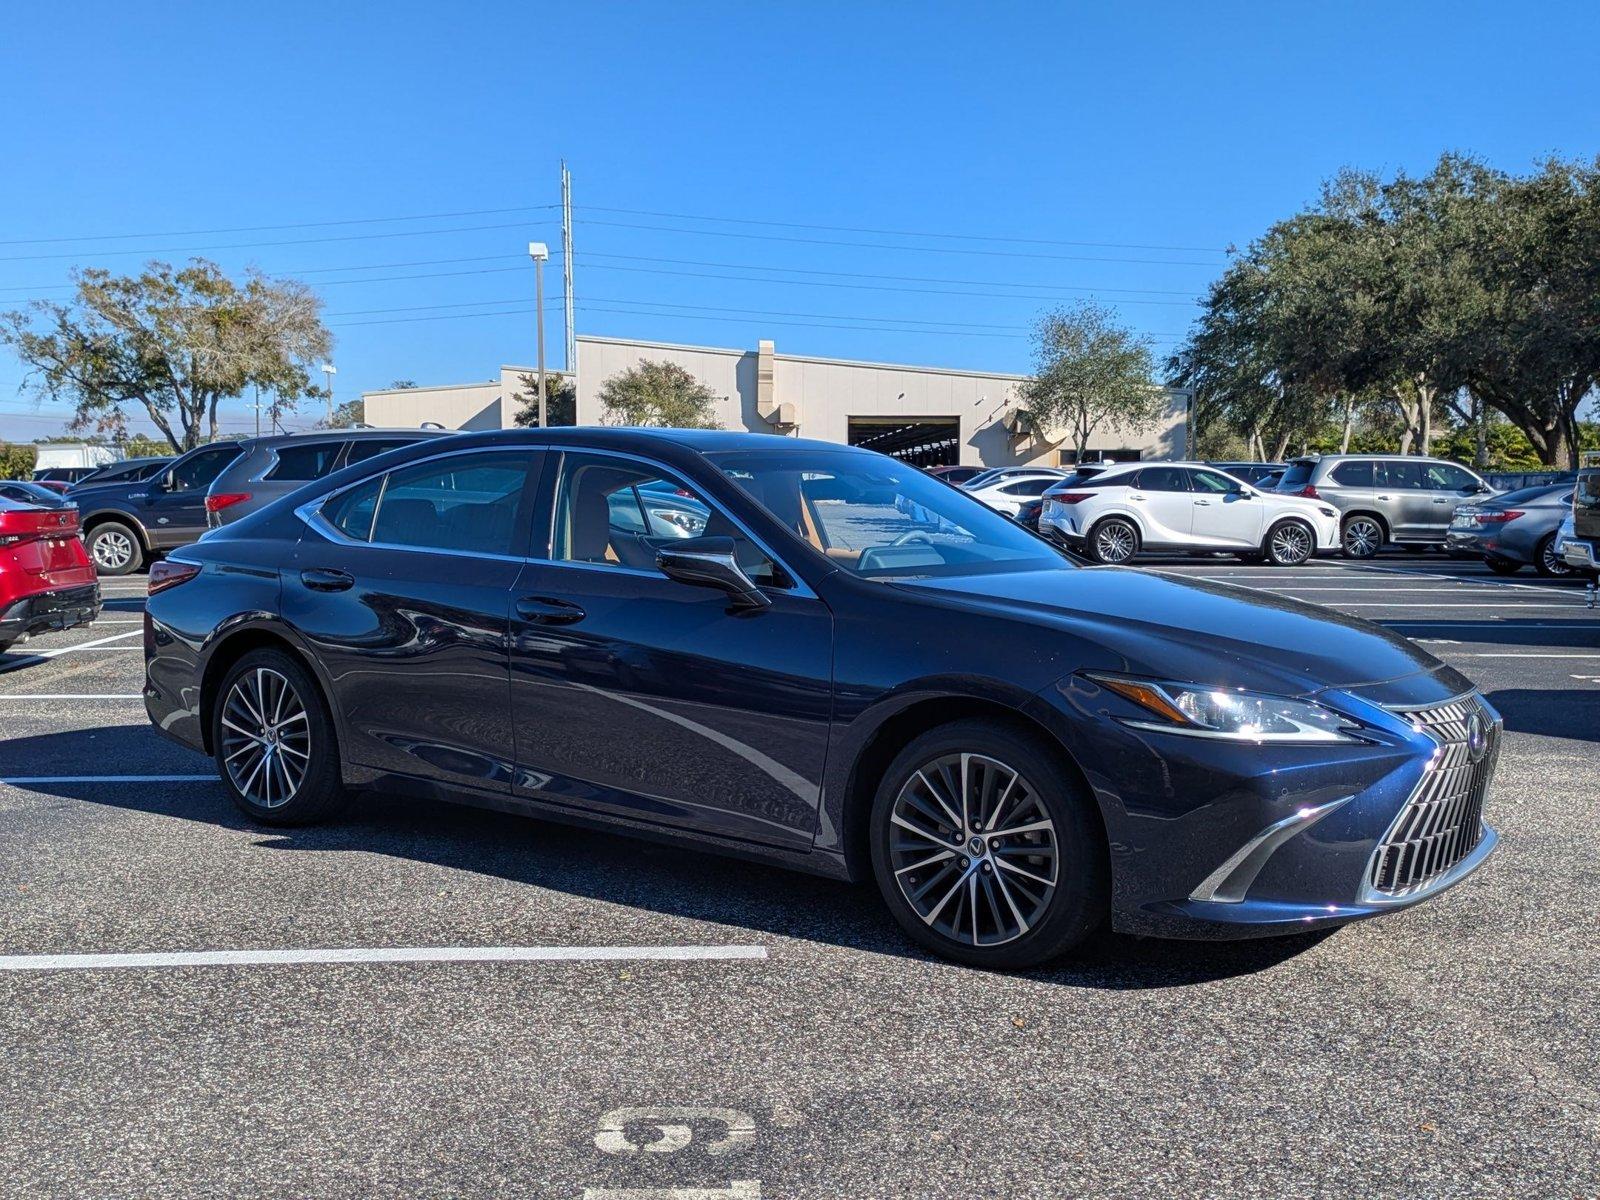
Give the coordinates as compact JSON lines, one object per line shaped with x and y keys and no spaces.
{"x":970,"y":237}
{"x":117,"y":237}
{"x":770,"y":237}
{"x":349,"y":237}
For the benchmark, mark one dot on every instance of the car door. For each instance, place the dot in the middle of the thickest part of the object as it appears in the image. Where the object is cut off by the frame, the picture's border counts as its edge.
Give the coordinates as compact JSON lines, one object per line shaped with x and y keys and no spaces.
{"x":173,"y":507}
{"x":1449,"y":486}
{"x":1349,"y":485}
{"x":403,"y":584}
{"x":1225,"y":514}
{"x":1161,"y":497}
{"x":639,"y":696}
{"x":1404,"y":499}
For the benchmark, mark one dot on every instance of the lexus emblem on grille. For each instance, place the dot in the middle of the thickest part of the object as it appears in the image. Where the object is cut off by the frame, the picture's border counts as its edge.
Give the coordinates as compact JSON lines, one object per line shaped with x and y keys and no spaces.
{"x":1477,"y":736}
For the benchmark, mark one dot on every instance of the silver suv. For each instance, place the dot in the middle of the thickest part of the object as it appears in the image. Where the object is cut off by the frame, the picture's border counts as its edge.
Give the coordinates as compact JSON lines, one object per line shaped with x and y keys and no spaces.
{"x":1385,"y":498}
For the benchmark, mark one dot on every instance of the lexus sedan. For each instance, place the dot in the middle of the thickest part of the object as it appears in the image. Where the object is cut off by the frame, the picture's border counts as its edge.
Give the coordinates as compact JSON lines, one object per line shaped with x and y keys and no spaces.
{"x":1515,"y":530}
{"x":841,"y":665}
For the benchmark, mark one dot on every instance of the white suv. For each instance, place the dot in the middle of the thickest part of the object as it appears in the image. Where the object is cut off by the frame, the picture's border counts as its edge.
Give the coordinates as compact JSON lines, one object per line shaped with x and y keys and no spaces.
{"x":1114,"y":514}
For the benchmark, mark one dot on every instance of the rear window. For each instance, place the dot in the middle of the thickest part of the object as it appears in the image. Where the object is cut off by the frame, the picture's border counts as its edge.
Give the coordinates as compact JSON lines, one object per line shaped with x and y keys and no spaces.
{"x":1352,"y":474}
{"x":367,"y":448}
{"x":1297,"y":476}
{"x":310,"y":460}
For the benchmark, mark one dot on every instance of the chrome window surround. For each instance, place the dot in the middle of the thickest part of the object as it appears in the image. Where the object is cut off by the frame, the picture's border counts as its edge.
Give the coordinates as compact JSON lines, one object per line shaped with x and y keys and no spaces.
{"x":311,"y":514}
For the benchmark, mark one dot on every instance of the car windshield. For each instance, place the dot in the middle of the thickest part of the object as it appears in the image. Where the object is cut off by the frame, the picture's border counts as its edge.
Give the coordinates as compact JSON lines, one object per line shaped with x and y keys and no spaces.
{"x":881,"y":519}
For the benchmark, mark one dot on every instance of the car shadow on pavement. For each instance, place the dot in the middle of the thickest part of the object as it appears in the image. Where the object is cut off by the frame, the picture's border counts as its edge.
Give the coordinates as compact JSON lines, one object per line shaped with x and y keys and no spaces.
{"x":597,"y":865}
{"x":1554,"y":712}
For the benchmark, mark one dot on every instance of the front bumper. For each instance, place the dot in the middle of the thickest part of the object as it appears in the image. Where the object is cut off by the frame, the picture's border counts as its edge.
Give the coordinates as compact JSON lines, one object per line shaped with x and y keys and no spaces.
{"x":1215,"y":839}
{"x":46,"y":612}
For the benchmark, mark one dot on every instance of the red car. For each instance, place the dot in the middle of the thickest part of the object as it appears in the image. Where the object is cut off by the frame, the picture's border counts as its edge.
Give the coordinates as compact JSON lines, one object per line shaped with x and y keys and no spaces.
{"x":46,"y":579}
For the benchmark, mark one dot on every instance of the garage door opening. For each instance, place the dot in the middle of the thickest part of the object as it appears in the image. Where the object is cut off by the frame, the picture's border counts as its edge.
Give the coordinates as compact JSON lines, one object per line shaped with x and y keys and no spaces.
{"x":921,"y":441}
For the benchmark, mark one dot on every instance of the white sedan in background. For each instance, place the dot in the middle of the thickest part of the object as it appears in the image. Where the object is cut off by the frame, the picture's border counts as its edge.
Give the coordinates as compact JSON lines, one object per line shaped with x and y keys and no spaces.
{"x":1114,"y":514}
{"x":1008,"y":491}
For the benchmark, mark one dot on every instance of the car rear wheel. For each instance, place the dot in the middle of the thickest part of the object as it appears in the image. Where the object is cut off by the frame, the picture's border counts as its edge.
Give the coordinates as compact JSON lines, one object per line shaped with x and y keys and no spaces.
{"x":986,"y":848}
{"x":114,"y":548}
{"x":1503,"y":566}
{"x":1113,"y":541}
{"x":1362,"y":537}
{"x":1548,"y":563}
{"x":274,"y":741}
{"x":1290,"y":543}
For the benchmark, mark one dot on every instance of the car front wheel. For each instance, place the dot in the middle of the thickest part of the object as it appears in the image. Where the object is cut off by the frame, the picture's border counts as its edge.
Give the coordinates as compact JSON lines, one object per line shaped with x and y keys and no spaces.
{"x":114,"y":548}
{"x":274,"y":741}
{"x":1362,"y":537}
{"x":1290,"y":543}
{"x":986,"y":848}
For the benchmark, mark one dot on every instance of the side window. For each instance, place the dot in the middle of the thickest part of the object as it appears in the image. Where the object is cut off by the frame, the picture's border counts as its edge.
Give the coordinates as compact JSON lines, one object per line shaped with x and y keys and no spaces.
{"x":1210,"y":481}
{"x":351,"y":512}
{"x":616,"y":512}
{"x":201,"y":469}
{"x":1446,"y":477}
{"x":1400,"y":473}
{"x":1353,"y":474}
{"x":1163,"y":479}
{"x":466,"y":502}
{"x":307,"y":460}
{"x":365,"y":448}
{"x":1029,"y":487}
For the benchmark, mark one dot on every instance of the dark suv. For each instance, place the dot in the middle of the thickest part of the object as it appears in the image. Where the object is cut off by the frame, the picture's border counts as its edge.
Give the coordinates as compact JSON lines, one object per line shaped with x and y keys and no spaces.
{"x":126,"y":523}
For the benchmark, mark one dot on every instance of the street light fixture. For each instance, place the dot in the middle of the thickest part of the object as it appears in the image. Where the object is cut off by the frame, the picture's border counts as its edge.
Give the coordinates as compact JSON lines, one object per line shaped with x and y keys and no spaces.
{"x":328,"y":372}
{"x":539,"y":252}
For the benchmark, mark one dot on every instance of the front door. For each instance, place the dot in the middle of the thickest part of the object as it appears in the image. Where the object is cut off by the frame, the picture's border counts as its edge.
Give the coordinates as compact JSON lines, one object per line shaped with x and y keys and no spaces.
{"x":1449,"y":486}
{"x":639,"y":696}
{"x":403,"y":584}
{"x":173,"y":507}
{"x":1224,"y":514}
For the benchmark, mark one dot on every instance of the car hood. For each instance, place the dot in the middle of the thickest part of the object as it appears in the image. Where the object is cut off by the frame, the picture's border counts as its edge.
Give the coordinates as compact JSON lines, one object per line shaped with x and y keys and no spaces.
{"x":1151,"y":623}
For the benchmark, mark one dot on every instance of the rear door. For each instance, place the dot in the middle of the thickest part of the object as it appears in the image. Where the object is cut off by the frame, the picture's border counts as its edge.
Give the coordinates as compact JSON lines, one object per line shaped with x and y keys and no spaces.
{"x":1404,"y":499}
{"x":403,"y":583}
{"x":1223,"y":514}
{"x":1161,"y":496}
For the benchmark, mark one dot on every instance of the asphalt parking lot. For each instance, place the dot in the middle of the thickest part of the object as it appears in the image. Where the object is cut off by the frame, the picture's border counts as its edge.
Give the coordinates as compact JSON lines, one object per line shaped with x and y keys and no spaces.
{"x":801,"y":1045}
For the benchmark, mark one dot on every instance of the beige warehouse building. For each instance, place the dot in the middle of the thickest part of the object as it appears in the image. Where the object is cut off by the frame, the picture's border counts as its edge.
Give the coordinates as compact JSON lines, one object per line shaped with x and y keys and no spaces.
{"x":927,"y":415}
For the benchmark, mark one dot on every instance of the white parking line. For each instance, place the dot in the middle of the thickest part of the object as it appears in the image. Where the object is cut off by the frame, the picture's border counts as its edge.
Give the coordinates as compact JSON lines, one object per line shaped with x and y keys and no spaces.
{"x":71,"y":696}
{"x":1475,"y":654}
{"x":30,"y":780}
{"x":1486,"y":604}
{"x":276,"y":958}
{"x":45,"y":655}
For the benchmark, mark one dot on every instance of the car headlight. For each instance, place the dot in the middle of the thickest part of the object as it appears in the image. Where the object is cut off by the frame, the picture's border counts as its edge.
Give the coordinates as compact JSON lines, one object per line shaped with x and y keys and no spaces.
{"x":691,"y":523}
{"x":1229,"y":713}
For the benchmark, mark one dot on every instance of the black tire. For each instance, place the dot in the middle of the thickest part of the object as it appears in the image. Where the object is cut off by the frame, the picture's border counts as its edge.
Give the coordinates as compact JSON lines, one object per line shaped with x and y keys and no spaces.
{"x":319,"y":792}
{"x":1503,"y":566}
{"x":4,"y":646}
{"x":1547,"y":564}
{"x":1362,"y":536}
{"x":114,"y":548}
{"x":1063,"y":915}
{"x":1289,"y":543}
{"x":1112,"y":541}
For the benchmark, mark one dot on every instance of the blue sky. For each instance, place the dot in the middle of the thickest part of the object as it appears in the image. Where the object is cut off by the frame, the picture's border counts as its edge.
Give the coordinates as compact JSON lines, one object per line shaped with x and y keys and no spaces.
{"x":1128,"y":144}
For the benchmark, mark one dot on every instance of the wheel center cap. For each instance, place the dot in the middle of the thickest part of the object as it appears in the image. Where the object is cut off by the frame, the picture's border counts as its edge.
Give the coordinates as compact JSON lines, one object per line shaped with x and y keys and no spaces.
{"x":976,"y":845}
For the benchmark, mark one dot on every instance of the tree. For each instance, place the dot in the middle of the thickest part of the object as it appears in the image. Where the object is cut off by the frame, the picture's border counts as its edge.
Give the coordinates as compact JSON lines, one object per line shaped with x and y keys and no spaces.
{"x":175,"y":341}
{"x":1090,"y":372}
{"x":560,"y":400}
{"x":402,"y":385}
{"x":16,"y":461}
{"x":658,"y":393}
{"x":346,"y":416}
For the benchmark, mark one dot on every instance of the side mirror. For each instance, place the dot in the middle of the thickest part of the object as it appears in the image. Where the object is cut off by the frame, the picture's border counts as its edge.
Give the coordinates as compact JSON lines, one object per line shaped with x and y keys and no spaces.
{"x":710,"y":562}
{"x":163,"y":482}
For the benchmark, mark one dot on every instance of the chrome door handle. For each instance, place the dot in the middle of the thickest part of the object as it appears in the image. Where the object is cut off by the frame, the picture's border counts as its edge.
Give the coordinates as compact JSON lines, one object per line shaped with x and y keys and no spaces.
{"x":1385,"y":497}
{"x":320,"y":579}
{"x":1444,"y":501}
{"x":1140,"y":499}
{"x":1207,"y":503}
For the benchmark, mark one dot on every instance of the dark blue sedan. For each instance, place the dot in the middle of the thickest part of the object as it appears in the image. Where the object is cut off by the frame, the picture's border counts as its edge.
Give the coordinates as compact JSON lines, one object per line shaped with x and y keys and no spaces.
{"x":822,"y":658}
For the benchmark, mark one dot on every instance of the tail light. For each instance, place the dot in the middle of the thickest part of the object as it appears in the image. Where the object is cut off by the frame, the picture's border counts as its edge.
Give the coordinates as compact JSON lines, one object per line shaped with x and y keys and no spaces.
{"x":1309,"y":492}
{"x":1498,"y":518}
{"x":26,"y":524}
{"x":1069,"y":497}
{"x":221,"y":500}
{"x":169,"y":573}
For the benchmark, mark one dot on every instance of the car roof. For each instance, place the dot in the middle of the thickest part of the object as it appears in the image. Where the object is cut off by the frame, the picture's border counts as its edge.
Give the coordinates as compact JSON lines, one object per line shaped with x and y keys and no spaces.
{"x":273,"y":440}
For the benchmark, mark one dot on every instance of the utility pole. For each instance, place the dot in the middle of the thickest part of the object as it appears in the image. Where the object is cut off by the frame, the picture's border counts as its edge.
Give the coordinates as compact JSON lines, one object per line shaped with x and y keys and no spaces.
{"x":569,"y":360}
{"x":328,"y":372}
{"x":257,"y":406}
{"x":538,"y":251}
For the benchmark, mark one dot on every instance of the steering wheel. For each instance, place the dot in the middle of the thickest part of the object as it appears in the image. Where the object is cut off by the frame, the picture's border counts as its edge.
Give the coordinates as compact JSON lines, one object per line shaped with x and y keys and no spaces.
{"x":905,"y":539}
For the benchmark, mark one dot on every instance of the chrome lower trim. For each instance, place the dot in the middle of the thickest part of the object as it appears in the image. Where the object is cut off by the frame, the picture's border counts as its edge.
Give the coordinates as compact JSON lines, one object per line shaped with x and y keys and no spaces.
{"x":1230,"y":881}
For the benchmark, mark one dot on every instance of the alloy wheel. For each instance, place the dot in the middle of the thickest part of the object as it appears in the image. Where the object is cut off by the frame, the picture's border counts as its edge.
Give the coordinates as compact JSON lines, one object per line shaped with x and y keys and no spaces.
{"x":1552,"y":563}
{"x":1362,"y":537}
{"x":266,"y":738}
{"x":973,"y":849}
{"x":1113,"y":542}
{"x":1291,"y":544}
{"x":112,"y":550}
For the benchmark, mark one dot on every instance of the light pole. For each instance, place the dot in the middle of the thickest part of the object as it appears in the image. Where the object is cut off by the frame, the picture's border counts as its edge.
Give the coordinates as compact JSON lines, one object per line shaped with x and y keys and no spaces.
{"x":538,"y":251}
{"x":328,"y":372}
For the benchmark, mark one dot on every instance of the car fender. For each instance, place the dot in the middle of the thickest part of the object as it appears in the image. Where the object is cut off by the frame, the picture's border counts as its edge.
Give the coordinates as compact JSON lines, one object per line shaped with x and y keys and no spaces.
{"x":120,"y":515}
{"x":262,"y":621}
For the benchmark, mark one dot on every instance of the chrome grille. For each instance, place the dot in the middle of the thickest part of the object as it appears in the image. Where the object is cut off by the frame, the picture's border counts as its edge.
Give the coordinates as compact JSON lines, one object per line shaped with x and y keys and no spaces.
{"x":1442,"y":821}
